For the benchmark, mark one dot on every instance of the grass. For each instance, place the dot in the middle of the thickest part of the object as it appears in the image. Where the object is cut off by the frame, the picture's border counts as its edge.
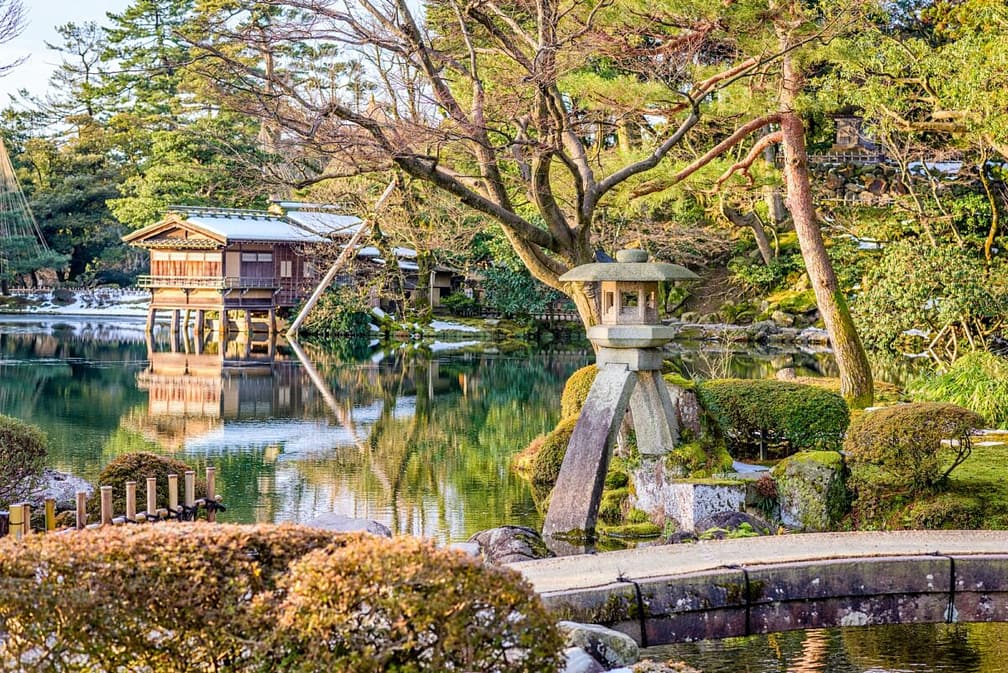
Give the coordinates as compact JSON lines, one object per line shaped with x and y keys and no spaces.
{"x":985,"y":475}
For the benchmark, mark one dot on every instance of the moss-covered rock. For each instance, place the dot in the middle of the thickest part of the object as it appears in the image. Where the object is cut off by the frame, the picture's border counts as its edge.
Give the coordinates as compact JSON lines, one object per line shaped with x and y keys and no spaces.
{"x":547,"y":462}
{"x":700,"y":458}
{"x":576,"y":391}
{"x":945,"y":511}
{"x":812,"y":490}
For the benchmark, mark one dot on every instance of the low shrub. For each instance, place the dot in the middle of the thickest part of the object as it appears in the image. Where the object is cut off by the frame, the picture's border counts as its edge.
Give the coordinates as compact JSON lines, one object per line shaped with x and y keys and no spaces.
{"x":547,"y":462}
{"x":404,"y":606}
{"x":23,"y":449}
{"x":459,"y":304}
{"x":909,"y":447}
{"x":977,"y":381}
{"x":157,"y":598}
{"x":951,"y":511}
{"x":138,"y":467}
{"x":755,"y":416}
{"x":576,"y":389}
{"x":200,"y":597}
{"x":339,"y":312}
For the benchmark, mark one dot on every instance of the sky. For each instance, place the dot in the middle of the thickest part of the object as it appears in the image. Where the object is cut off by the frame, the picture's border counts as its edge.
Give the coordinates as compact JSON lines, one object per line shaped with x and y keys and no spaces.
{"x":42,"y":18}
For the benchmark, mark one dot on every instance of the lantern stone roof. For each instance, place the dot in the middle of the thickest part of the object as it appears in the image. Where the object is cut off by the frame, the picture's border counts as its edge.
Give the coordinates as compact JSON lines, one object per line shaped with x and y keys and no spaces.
{"x":630,"y":266}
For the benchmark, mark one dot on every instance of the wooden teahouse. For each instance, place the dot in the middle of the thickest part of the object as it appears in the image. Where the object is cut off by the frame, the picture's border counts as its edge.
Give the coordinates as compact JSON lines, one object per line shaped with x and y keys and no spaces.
{"x":242,"y":264}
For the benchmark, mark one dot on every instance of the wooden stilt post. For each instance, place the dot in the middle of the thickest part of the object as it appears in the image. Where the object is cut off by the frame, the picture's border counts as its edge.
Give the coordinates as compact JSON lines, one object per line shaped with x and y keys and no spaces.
{"x":190,"y":488}
{"x":272,"y":322}
{"x":248,"y":322}
{"x":81,"y":522}
{"x":50,"y":514}
{"x":26,"y":517}
{"x":106,"y":505}
{"x":17,"y":521}
{"x":151,"y":312}
{"x":222,"y":324}
{"x":211,"y":493}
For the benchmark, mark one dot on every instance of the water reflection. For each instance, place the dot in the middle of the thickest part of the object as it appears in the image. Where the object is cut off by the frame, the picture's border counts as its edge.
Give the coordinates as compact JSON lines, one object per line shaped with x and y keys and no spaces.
{"x":958,"y":648}
{"x":420,"y":443}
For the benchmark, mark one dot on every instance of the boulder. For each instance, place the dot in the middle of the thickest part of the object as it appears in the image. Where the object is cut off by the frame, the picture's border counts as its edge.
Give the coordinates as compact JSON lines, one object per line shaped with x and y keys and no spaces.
{"x":610,"y":648}
{"x":62,"y":487}
{"x":347,"y":524}
{"x":730,"y":520}
{"x":781,"y":318}
{"x":577,"y":660}
{"x":510,"y":544}
{"x":812,"y":490}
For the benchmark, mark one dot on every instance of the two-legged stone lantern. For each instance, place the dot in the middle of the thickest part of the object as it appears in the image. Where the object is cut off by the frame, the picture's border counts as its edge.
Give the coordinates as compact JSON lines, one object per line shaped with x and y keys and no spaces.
{"x":628,"y":343}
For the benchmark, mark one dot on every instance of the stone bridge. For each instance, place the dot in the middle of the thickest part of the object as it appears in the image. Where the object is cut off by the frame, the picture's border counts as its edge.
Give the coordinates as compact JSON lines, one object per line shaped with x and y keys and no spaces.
{"x":722,"y":588}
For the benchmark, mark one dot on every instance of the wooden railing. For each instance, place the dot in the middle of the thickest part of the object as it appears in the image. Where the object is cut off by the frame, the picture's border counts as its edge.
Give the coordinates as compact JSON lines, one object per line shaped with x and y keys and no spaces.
{"x":17,"y":521}
{"x":212,"y":282}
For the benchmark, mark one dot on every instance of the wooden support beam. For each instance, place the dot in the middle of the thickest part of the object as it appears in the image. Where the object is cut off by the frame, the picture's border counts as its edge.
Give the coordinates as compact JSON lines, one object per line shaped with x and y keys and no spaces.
{"x":81,"y":510}
{"x":106,"y":505}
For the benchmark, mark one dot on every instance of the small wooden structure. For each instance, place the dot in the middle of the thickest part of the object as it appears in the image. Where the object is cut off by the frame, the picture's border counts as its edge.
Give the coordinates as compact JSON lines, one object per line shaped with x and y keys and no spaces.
{"x":241,"y":264}
{"x":17,"y":521}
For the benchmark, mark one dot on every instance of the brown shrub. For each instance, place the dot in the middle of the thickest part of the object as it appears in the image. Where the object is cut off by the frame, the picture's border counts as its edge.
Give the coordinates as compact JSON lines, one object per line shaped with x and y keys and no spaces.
{"x":200,"y":597}
{"x":405,"y":606}
{"x":138,"y":467}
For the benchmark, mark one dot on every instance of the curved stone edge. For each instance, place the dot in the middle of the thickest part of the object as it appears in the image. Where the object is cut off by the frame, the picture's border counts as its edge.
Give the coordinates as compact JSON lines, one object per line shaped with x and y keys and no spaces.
{"x":767,"y":598}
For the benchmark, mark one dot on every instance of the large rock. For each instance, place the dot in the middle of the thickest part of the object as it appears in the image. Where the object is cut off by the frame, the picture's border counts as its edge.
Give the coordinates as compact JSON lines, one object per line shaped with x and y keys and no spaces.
{"x":577,"y":660}
{"x":722,"y":523}
{"x":62,"y":487}
{"x":347,"y":524}
{"x":659,"y":491}
{"x":812,"y":490}
{"x":610,"y":648}
{"x":510,"y":544}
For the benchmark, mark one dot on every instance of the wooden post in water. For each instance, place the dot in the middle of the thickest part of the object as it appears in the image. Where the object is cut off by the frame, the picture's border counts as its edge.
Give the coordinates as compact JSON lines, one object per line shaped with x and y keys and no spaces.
{"x":130,"y":501}
{"x":173,"y":493}
{"x":81,"y":522}
{"x":106,"y":505}
{"x":17,"y":521}
{"x":211,"y":493}
{"x":152,"y":497}
{"x":50,"y":514}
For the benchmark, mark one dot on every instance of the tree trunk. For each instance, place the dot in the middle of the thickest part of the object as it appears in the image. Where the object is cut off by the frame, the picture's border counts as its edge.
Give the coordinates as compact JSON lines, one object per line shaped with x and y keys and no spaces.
{"x":856,"y":383}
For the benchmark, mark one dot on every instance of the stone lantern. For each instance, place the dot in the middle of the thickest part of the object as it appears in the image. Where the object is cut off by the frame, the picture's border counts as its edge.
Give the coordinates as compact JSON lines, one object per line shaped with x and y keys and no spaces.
{"x":628,"y":343}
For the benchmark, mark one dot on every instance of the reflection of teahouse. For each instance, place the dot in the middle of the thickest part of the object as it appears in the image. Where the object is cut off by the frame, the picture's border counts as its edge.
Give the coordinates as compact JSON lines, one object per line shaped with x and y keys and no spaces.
{"x":230,"y":260}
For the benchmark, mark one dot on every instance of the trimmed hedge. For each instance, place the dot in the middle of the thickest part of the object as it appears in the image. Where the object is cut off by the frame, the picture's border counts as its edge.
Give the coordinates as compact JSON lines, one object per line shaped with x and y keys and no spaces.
{"x":576,"y":389}
{"x":23,"y":449}
{"x":908,"y":447}
{"x":201,"y":597}
{"x":759,"y":415}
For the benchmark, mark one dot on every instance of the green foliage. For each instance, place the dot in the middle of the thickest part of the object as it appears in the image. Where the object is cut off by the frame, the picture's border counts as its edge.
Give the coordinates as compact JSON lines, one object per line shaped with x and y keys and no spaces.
{"x":909,"y":447}
{"x":977,"y":381}
{"x":339,"y":312}
{"x":459,"y":304}
{"x":756,"y":276}
{"x":23,"y":450}
{"x":755,"y":415}
{"x":515,"y":294}
{"x":700,"y":458}
{"x":914,"y":286}
{"x":140,"y":466}
{"x":576,"y":389}
{"x":198,"y":597}
{"x":613,"y":505}
{"x":547,"y":462}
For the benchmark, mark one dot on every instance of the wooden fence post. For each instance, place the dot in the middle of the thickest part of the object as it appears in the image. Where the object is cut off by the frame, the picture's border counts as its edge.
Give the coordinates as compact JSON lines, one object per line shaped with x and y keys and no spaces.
{"x":26,"y":518}
{"x":4,"y":524}
{"x":130,"y":501}
{"x":152,"y":497}
{"x":81,"y":522}
{"x":50,"y":515}
{"x":106,"y":505}
{"x":190,"y":489}
{"x":172,"y":493}
{"x":16,"y":521}
{"x":211,"y":494}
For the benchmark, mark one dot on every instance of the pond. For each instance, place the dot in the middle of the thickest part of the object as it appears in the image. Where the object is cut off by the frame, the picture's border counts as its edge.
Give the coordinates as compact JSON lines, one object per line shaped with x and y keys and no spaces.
{"x":898,"y":648}
{"x":420,"y":442}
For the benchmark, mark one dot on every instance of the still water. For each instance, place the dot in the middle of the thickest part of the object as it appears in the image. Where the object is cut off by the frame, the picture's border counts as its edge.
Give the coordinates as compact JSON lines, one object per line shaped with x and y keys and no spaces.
{"x":900,"y":648}
{"x":421,"y":443}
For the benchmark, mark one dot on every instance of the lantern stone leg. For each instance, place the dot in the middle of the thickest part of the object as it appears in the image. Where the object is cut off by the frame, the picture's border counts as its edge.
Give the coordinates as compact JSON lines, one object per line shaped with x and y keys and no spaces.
{"x":653,"y":415}
{"x":574,"y":504}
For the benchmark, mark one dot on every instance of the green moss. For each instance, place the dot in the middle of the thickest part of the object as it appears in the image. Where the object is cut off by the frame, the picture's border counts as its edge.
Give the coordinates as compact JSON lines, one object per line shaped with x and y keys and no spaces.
{"x":547,"y":462}
{"x":945,"y":511}
{"x":612,"y":505}
{"x":631,"y":530}
{"x":576,"y":390}
{"x":700,"y":459}
{"x":792,"y":301}
{"x":676,"y":379}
